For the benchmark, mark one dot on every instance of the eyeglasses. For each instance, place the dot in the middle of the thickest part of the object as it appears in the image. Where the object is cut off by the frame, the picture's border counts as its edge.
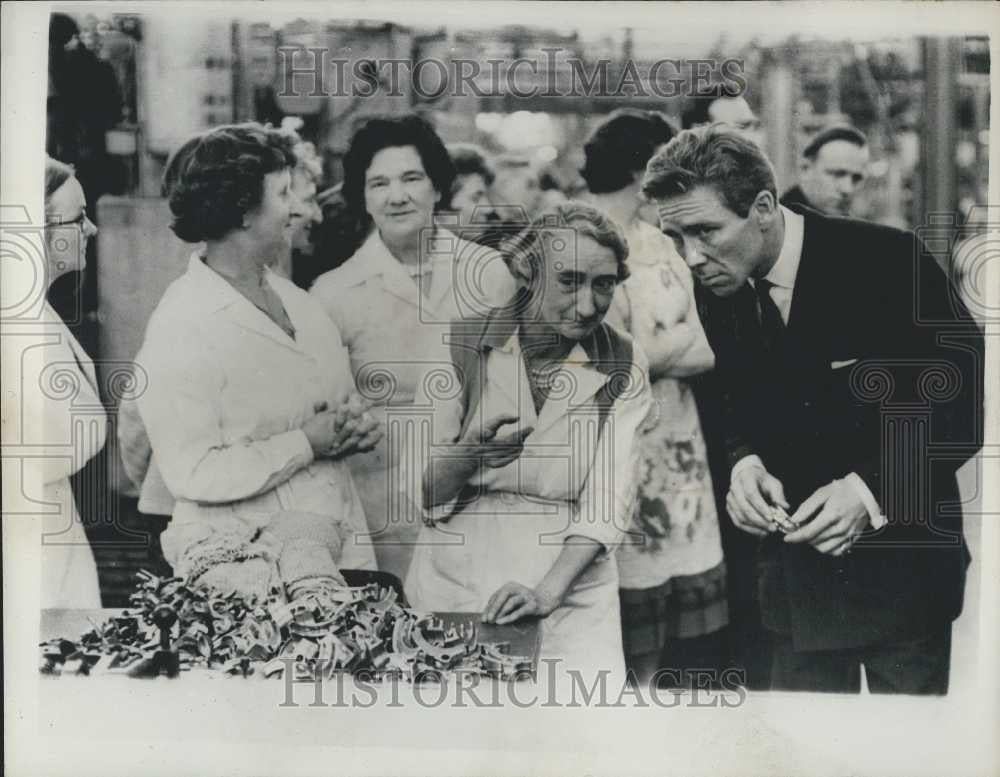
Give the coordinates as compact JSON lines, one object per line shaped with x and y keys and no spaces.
{"x":79,"y":221}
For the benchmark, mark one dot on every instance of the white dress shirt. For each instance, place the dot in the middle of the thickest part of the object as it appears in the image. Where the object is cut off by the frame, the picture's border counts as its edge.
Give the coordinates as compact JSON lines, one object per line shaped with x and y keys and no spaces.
{"x":782,"y":278}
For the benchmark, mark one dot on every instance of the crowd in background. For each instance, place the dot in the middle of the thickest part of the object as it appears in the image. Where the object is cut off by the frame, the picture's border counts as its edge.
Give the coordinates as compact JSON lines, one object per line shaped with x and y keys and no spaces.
{"x":291,"y":363}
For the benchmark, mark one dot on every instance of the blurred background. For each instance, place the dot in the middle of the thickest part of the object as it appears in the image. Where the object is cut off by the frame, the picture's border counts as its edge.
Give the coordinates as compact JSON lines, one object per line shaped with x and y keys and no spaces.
{"x":913,"y":97}
{"x":125,"y":89}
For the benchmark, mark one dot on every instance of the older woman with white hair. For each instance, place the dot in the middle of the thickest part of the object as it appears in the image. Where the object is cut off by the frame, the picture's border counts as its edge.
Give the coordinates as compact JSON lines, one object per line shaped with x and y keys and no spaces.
{"x":531,"y":476}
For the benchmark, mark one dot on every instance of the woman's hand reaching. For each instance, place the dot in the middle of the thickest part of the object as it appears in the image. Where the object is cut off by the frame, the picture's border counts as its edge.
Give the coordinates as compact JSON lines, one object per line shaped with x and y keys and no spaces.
{"x":496,"y":450}
{"x":513,"y":601}
{"x":481,"y":446}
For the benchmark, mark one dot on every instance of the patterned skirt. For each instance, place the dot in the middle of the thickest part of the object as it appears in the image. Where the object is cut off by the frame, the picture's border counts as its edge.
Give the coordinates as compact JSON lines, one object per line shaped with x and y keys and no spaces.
{"x":683,"y":607}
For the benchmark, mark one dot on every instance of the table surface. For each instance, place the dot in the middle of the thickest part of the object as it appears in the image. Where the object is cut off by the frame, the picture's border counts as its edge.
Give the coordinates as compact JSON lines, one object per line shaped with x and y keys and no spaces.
{"x":203,"y":705}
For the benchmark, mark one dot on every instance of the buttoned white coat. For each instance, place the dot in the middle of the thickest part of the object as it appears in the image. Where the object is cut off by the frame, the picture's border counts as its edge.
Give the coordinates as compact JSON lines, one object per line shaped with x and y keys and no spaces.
{"x":228,"y":394}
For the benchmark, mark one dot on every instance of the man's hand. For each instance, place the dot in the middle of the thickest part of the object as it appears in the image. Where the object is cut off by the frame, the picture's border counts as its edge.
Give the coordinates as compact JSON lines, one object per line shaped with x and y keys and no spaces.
{"x":513,"y":601}
{"x":756,"y":501}
{"x":833,"y":517}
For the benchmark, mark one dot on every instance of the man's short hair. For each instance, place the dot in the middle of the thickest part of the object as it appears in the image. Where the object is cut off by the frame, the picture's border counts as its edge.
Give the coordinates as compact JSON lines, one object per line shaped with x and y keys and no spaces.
{"x":711,"y":156}
{"x":830,"y":134}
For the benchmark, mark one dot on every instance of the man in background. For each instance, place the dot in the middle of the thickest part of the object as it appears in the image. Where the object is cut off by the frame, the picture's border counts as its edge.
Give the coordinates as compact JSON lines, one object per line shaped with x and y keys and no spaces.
{"x":84,"y":101}
{"x":833,"y":170}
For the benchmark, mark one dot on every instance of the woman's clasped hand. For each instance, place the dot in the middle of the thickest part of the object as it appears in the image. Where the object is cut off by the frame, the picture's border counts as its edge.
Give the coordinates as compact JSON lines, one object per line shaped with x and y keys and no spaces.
{"x":344,"y":430}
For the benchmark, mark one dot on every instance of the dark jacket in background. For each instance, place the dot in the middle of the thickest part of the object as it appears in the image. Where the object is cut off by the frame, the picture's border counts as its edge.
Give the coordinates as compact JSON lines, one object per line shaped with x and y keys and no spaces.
{"x":795,"y":198}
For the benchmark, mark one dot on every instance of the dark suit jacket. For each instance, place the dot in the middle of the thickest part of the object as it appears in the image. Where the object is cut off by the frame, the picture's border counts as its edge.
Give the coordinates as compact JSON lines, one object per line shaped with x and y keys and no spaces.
{"x":794,"y":198}
{"x":904,"y":416}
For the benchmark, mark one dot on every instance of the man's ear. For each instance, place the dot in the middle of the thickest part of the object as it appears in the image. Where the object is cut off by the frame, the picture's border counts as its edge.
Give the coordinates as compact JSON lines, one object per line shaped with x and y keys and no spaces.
{"x":805,"y":165}
{"x":764,"y":207}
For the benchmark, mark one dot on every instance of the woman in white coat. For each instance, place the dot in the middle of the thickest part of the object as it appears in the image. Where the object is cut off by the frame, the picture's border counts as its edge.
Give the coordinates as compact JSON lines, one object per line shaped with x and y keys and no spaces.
{"x":394,"y":299}
{"x":531,"y":479}
{"x":62,"y":405}
{"x":250,"y":406}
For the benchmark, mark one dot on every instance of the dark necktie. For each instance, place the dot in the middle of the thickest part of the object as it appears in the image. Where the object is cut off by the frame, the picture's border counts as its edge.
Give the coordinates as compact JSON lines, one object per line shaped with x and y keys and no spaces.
{"x":772,"y":326}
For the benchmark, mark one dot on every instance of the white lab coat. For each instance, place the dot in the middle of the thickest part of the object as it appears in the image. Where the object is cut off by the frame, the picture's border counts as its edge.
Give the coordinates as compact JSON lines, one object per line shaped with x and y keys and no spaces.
{"x":228,"y":393}
{"x":565,"y":483}
{"x":395,"y":332}
{"x":65,"y":422}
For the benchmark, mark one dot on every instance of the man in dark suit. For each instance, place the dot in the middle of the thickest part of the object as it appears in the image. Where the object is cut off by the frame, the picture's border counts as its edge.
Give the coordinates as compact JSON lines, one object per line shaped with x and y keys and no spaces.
{"x":833,"y":169}
{"x":851,"y":375}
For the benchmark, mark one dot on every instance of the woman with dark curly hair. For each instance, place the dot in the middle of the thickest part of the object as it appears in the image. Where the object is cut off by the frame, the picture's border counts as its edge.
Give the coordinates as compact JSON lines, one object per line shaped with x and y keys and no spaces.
{"x":250,"y":406}
{"x":394,"y":298}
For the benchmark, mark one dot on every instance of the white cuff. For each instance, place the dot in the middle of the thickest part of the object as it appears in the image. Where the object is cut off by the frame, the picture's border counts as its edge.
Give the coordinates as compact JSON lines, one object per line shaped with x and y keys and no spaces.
{"x":437,"y":513}
{"x":875,"y":516}
{"x":753,"y":460}
{"x":299,"y":446}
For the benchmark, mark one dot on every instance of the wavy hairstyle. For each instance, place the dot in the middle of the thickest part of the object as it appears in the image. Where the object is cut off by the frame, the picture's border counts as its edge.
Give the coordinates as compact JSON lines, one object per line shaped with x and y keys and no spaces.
{"x":711,"y":156}
{"x":222,"y":179}
{"x":525,"y":253}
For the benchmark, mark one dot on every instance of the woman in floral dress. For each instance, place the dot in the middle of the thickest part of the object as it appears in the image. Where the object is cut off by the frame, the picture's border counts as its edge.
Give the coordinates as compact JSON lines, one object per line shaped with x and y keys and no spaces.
{"x":672,"y":574}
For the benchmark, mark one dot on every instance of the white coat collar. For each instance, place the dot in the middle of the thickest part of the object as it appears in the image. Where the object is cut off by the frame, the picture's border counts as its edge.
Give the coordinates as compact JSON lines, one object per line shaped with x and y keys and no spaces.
{"x":210,"y":292}
{"x":373,"y":260}
{"x":578,"y":384}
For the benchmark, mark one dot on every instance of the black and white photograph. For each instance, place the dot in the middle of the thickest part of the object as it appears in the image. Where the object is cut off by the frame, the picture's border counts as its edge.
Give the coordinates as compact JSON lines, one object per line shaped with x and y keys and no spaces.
{"x":500,"y":388}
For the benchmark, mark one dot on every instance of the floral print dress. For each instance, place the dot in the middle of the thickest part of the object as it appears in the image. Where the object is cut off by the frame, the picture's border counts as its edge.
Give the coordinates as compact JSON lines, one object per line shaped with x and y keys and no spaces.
{"x":671,"y":568}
